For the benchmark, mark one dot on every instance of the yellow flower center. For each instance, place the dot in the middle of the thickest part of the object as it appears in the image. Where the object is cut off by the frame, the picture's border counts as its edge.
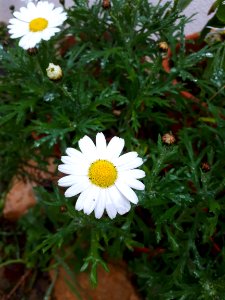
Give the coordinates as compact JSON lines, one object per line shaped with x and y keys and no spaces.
{"x":102,"y":173}
{"x":38,"y":24}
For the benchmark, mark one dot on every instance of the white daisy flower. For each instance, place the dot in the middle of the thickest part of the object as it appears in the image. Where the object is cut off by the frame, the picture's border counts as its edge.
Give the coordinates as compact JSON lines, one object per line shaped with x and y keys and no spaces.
{"x":102,"y":177}
{"x":36,"y":22}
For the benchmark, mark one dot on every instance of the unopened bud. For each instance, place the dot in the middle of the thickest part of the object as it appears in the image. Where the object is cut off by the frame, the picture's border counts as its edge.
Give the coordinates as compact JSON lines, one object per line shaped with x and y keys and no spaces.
{"x":32,"y":51}
{"x":213,"y":37}
{"x":106,"y":4}
{"x":168,"y":138}
{"x":54,"y":72}
{"x":12,"y":8}
{"x":63,"y":209}
{"x":163,"y":46}
{"x":205,"y":167}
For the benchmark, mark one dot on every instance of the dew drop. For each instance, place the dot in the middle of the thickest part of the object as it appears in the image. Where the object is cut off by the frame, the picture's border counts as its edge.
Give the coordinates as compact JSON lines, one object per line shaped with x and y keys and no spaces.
{"x":49,"y":97}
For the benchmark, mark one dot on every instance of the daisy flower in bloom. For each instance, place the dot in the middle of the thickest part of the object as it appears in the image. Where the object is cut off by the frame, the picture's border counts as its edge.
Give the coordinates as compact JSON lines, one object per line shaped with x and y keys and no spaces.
{"x":36,"y":22}
{"x":102,"y":177}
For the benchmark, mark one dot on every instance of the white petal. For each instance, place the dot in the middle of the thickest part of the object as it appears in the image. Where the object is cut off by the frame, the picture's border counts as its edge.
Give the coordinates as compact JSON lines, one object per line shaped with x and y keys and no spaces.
{"x":127,"y":191}
{"x":15,"y":22}
{"x":74,"y":161}
{"x":66,"y":169}
{"x":135,"y":173}
{"x":54,"y":22}
{"x":123,"y":209}
{"x":73,"y":169}
{"x":31,"y":6}
{"x":48,"y":33}
{"x":18,"y":33}
{"x":57,"y":15}
{"x":135,"y":163}
{"x":100,"y":206}
{"x":80,"y":201}
{"x":44,"y":5}
{"x":22,"y":16}
{"x":88,"y":148}
{"x":30,"y":40}
{"x":68,"y":160}
{"x":121,"y":203}
{"x":101,"y":145}
{"x":58,"y":10}
{"x":26,"y":14}
{"x":109,"y":205}
{"x":132,"y":182}
{"x":91,"y":199}
{"x":125,"y":158}
{"x":77,"y":188}
{"x":70,"y":180}
{"x":19,"y":26}
{"x":115,"y":147}
{"x":74,"y":153}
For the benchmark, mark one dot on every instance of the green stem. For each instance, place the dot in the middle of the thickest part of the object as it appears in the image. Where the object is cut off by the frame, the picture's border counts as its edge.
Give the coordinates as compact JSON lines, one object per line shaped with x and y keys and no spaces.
{"x":12,"y":261}
{"x":214,"y":95}
{"x":51,"y":286}
{"x":66,"y":93}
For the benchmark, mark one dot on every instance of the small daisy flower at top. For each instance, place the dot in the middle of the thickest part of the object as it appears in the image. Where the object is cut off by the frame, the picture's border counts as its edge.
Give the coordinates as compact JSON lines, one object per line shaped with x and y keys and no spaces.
{"x":36,"y":22}
{"x":102,"y":177}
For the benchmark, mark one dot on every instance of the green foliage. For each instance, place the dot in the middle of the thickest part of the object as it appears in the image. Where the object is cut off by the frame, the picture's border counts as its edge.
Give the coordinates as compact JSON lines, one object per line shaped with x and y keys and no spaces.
{"x":114,"y":81}
{"x":221,"y":11}
{"x":181,"y":4}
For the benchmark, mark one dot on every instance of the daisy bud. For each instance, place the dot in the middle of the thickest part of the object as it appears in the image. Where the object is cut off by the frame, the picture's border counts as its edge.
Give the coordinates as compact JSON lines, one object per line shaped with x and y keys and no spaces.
{"x":63,"y":209}
{"x":12,"y":8}
{"x":54,"y":72}
{"x":163,"y":46}
{"x":213,"y":37}
{"x":205,"y":167}
{"x":106,"y":4}
{"x":168,"y":138}
{"x":32,"y":51}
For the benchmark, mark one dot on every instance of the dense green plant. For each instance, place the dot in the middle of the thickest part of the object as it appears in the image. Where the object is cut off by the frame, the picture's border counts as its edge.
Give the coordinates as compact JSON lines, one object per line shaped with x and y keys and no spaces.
{"x":113,"y":81}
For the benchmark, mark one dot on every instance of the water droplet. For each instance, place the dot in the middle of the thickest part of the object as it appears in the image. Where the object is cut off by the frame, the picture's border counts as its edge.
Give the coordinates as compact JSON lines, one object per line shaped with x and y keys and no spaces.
{"x":49,"y":97}
{"x":37,"y":144}
{"x":103,"y":64}
{"x":218,"y":77}
{"x":173,"y":70}
{"x":209,"y":54}
{"x":1,"y":53}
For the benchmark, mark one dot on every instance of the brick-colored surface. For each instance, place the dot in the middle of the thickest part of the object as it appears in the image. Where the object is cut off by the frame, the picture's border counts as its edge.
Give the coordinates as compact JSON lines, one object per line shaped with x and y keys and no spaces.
{"x":113,"y":285}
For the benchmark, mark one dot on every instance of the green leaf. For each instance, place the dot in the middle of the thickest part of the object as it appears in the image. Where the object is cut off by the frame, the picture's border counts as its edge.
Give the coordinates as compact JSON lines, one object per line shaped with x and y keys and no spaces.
{"x":221,"y":12}
{"x":181,"y":4}
{"x":172,"y":239}
{"x":93,"y":274}
{"x":84,"y":266}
